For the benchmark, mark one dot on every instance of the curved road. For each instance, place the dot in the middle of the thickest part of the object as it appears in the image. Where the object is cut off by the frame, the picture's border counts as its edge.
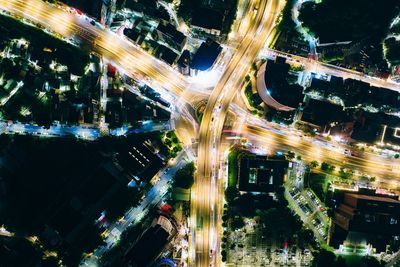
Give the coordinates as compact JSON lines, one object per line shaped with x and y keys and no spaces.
{"x":206,"y":184}
{"x":206,"y":202}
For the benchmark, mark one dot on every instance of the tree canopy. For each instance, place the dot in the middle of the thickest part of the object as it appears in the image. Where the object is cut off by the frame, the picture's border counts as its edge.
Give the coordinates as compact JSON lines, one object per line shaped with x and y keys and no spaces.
{"x":184,"y":177}
{"x":346,"y":20}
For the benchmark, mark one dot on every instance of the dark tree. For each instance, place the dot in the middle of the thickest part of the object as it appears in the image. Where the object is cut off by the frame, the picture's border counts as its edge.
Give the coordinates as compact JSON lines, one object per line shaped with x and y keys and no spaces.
{"x":324,"y":258}
{"x":184,"y":177}
{"x":231,"y":193}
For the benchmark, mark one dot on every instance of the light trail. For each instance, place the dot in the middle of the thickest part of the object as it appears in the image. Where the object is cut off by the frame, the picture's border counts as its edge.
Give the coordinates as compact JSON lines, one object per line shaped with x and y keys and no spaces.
{"x":211,"y":129}
{"x":255,"y":30}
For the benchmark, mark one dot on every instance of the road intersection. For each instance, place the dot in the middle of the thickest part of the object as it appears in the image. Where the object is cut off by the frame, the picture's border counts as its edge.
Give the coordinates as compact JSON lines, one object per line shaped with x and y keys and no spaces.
{"x":207,"y":198}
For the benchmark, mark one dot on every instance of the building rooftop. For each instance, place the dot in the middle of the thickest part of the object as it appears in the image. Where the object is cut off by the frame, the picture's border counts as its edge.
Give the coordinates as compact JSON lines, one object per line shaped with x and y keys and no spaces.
{"x":373,"y":198}
{"x":354,"y":92}
{"x":392,"y":135}
{"x":166,"y":54}
{"x":207,"y":18}
{"x":321,"y":113}
{"x":151,"y":243}
{"x":170,"y":31}
{"x":206,"y":55}
{"x":375,"y":217}
{"x":369,"y":127}
{"x":131,"y":34}
{"x":261,"y":174}
{"x":139,"y":160}
{"x":274,"y":89}
{"x":185,"y":59}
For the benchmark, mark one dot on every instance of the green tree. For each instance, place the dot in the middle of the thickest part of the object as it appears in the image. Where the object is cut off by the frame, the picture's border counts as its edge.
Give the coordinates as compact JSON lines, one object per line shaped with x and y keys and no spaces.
{"x":314,"y":164}
{"x":279,"y":221}
{"x":369,"y":261}
{"x":184,"y":177}
{"x":223,"y":255}
{"x":237,"y":222}
{"x":290,"y":155}
{"x":231,"y":192}
{"x":345,"y":174}
{"x":245,"y":205}
{"x":324,"y":258}
{"x":340,"y":262}
{"x":327,"y":167}
{"x":306,"y":236}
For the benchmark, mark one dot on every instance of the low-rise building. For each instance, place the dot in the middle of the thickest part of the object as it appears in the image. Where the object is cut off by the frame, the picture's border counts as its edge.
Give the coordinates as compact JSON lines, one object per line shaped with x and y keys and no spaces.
{"x":274,"y":89}
{"x":184,"y":62}
{"x":113,"y":114}
{"x":261,"y":174}
{"x":366,"y":219}
{"x":171,"y":36}
{"x":208,"y":20}
{"x":132,"y":34}
{"x":139,"y":161}
{"x":321,"y":114}
{"x":376,"y":128}
{"x":354,"y":92}
{"x":391,"y":135}
{"x":206,"y":55}
{"x":149,"y":246}
{"x":166,"y":54}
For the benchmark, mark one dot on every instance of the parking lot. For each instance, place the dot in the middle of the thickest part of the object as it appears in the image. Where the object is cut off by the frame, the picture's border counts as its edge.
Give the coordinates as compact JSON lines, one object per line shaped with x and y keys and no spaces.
{"x":311,"y":211}
{"x":248,"y":247}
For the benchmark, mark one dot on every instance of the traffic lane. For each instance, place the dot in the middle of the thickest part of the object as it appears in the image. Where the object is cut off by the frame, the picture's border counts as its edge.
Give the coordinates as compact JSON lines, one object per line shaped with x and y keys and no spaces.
{"x":381,"y":168}
{"x":205,"y":136}
{"x":115,"y":46}
{"x":153,"y":197}
{"x":305,"y":143}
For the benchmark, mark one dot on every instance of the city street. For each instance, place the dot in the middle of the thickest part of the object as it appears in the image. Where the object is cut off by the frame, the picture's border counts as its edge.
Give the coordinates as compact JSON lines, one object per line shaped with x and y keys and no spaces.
{"x":207,"y":194}
{"x":205,"y":206}
{"x":384,"y":169}
{"x":88,"y":133}
{"x":135,"y":214}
